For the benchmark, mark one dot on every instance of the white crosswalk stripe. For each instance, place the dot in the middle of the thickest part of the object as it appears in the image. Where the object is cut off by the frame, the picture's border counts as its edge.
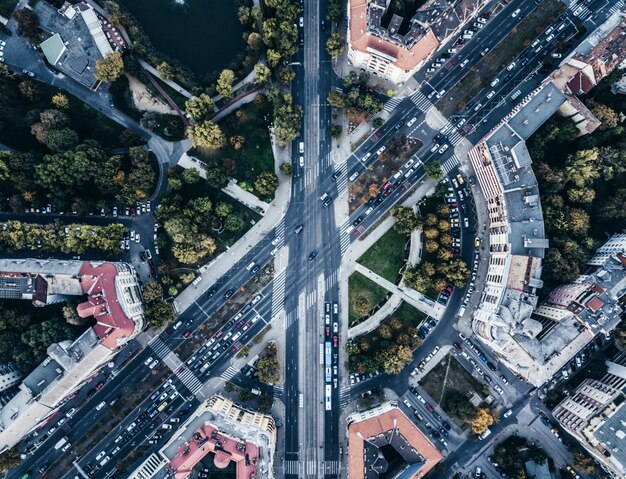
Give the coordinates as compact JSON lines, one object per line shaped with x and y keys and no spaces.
{"x":292,"y":467}
{"x":160,"y":348}
{"x":580,"y":10}
{"x":344,"y":396}
{"x":450,"y":164}
{"x":331,"y":467}
{"x":421,"y":101}
{"x":278,"y":292}
{"x":331,"y":280}
{"x":345,"y":242}
{"x":454,"y":137}
{"x":616,"y":7}
{"x":190,"y":380}
{"x":230,"y":373}
{"x":392,"y":103}
{"x":279,"y":389}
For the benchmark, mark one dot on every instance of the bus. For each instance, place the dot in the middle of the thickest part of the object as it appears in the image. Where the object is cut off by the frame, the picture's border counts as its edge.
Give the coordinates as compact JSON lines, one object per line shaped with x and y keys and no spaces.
{"x":328,"y":397}
{"x":328,"y":362}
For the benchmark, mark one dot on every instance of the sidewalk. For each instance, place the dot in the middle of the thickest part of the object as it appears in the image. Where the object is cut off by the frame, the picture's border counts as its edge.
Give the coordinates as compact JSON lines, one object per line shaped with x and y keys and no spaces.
{"x":170,"y":83}
{"x":212,"y":271}
{"x":235,"y":103}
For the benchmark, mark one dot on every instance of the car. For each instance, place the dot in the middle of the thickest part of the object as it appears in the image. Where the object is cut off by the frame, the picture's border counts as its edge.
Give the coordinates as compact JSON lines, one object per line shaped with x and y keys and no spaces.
{"x":381,"y":150}
{"x":29,"y":73}
{"x":301,"y":22}
{"x":336,"y":175}
{"x":556,"y":55}
{"x":516,"y":13}
{"x":357,"y":221}
{"x":421,"y":399}
{"x":228,"y":293}
{"x":336,"y":341}
{"x":495,"y":82}
{"x":491,"y":94}
{"x":498,"y":389}
{"x":443,"y":148}
{"x":477,"y":242}
{"x":508,"y":413}
{"x":137,"y":238}
{"x":429,"y":408}
{"x":464,"y":63}
{"x":407,"y":404}
{"x":504,"y":380}
{"x":411,"y":121}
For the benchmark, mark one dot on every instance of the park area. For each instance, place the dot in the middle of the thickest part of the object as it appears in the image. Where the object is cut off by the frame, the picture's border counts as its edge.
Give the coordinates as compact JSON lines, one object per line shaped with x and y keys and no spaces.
{"x":248,"y":152}
{"x":387,"y":256}
{"x":483,"y":72}
{"x":450,"y":376}
{"x":364,"y":295}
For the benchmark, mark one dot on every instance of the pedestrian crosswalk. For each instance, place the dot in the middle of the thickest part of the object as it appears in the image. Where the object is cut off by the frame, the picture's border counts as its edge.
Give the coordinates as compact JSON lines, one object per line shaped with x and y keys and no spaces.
{"x":185,"y":375}
{"x":312,"y":468}
{"x":278,"y":292}
{"x":616,"y":7}
{"x":331,"y":467}
{"x":580,"y":9}
{"x":279,"y":390}
{"x":279,"y":232}
{"x":342,"y":180}
{"x":450,"y":164}
{"x":421,"y":101}
{"x":292,"y":467}
{"x":392,"y":103}
{"x":344,"y":397}
{"x":331,"y":280}
{"x":230,"y":373}
{"x":345,"y":240}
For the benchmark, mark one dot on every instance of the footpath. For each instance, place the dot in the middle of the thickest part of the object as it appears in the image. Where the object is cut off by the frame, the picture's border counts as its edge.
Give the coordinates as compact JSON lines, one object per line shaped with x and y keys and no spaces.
{"x":274,"y":213}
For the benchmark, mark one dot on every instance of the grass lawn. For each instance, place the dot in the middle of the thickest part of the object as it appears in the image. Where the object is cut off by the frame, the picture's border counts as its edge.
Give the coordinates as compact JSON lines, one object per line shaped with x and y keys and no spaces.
{"x":364,"y":294}
{"x":386,"y":256}
{"x":449,"y":374}
{"x":255,"y":156}
{"x":483,"y":72}
{"x":409,"y":315}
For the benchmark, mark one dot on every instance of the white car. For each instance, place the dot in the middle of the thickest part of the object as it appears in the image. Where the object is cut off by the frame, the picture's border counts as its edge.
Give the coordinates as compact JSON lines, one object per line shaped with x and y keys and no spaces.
{"x":411,"y":121}
{"x":516,"y":13}
{"x":381,"y":150}
{"x":508,"y":413}
{"x":407,"y":404}
{"x":491,"y":94}
{"x":100,"y":455}
{"x":495,"y":82}
{"x":137,"y":238}
{"x":436,"y":350}
{"x":443,"y":148}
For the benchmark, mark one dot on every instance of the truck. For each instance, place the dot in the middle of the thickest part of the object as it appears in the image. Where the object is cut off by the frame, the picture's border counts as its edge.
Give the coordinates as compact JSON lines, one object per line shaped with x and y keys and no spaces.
{"x":61,"y":442}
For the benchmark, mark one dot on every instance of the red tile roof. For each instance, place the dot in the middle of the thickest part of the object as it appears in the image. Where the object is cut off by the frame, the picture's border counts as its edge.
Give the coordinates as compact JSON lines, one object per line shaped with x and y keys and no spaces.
{"x":112,"y":324}
{"x":207,"y":439}
{"x":387,"y":421}
{"x":595,"y":304}
{"x":580,"y":84}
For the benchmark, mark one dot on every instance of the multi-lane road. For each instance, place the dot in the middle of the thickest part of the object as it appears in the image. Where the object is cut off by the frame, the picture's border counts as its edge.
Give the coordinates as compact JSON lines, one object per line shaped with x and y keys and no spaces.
{"x":312,"y":432}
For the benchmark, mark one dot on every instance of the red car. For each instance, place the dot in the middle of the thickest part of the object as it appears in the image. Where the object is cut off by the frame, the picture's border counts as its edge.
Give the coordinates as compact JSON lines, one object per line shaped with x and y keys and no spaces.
{"x":335,"y":341}
{"x":219,"y":334}
{"x":187,"y":334}
{"x":428,"y":407}
{"x":99,"y":386}
{"x":327,"y":330}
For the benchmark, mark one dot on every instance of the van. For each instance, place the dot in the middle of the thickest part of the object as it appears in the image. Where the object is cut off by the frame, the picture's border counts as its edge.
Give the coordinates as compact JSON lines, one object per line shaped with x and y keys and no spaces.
{"x":104,"y":461}
{"x":255,"y":391}
{"x":251,"y":265}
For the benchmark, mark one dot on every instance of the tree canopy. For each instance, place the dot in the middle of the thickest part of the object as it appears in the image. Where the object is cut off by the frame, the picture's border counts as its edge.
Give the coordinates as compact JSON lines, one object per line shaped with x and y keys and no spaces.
{"x":109,"y":68}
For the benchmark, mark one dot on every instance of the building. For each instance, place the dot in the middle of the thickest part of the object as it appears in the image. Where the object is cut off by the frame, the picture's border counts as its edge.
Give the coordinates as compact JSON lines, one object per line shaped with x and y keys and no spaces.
{"x":79,"y":37}
{"x":384,"y":442}
{"x":617,"y":244}
{"x":594,"y":414}
{"x":396,"y":51}
{"x":113,"y":298}
{"x":217,"y":435}
{"x":9,"y":376}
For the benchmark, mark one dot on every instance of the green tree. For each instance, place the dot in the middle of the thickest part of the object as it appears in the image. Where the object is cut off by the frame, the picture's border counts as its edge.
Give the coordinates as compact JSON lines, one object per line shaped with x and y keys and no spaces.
{"x":61,"y":140}
{"x":273,"y":57}
{"x":233,"y":223}
{"x":165,"y":71}
{"x":285,"y":169}
{"x":335,"y":10}
{"x":152,"y":292}
{"x":287,"y":118}
{"x":41,"y":335}
{"x":207,"y":134}
{"x":537,"y":454}
{"x":225,"y":83}
{"x":10,"y":459}
{"x":255,"y":41}
{"x":266,"y":183}
{"x":584,"y":463}
{"x":222,"y":210}
{"x":582,"y":167}
{"x":433,"y":170}
{"x":458,"y":405}
{"x":335,"y":131}
{"x":406,"y":219}
{"x":261,"y":73}
{"x":200,"y":107}
{"x":269,"y":365}
{"x":395,"y":358}
{"x":335,"y":45}
{"x":605,"y":114}
{"x":109,"y":68}
{"x":582,"y":195}
{"x":159,"y":313}
{"x":336,"y":99}
{"x":59,"y":100}
{"x":286,"y":74}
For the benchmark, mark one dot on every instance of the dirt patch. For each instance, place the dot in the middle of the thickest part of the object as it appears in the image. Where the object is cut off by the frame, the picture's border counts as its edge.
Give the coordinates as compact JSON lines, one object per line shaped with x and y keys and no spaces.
{"x":450,"y":374}
{"x":367,"y":186}
{"x":482,"y":73}
{"x":144,"y":100}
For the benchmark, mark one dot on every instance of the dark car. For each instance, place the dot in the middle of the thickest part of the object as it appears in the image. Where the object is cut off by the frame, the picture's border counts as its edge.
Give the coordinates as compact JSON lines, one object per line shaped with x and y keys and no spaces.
{"x":210,"y":293}
{"x":357,"y":221}
{"x":446,"y":424}
{"x":255,"y":270}
{"x":228,"y":294}
{"x":313,"y":255}
{"x":336,"y":175}
{"x":458,"y":347}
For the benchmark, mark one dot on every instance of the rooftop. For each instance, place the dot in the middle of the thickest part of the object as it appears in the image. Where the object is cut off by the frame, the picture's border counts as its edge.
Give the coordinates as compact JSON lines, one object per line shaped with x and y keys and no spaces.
{"x":372,"y":433}
{"x":612,"y":435}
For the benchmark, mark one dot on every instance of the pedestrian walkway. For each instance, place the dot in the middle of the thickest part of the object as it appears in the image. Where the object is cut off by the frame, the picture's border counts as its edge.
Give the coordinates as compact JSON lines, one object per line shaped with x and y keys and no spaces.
{"x":450,"y":164}
{"x":179,"y":369}
{"x":392,"y":103}
{"x":244,"y":197}
{"x":415,"y":299}
{"x":210,"y":272}
{"x":420,"y":101}
{"x":170,"y":83}
{"x":230,"y":373}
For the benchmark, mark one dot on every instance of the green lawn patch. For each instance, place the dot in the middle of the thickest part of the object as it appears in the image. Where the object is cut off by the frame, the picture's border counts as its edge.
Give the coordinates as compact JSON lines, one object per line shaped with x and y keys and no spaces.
{"x":363,"y":294}
{"x":387,"y":255}
{"x":447,"y":375}
{"x":409,"y":315}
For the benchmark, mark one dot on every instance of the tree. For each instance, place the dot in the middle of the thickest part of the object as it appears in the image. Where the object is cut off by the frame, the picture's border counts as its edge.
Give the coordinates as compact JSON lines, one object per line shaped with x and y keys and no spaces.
{"x":378,"y":122}
{"x":335,"y":10}
{"x":200,"y":107}
{"x":605,"y":114}
{"x":61,"y":140}
{"x":207,"y":134}
{"x":63,"y":173}
{"x":458,"y":405}
{"x":582,"y":195}
{"x":10,"y":459}
{"x":165,"y":71}
{"x":578,"y":221}
{"x":59,"y":100}
{"x":286,"y":74}
{"x":582,"y":167}
{"x":285,"y":169}
{"x":433,"y":170}
{"x":109,"y":68}
{"x":269,"y":365}
{"x":335,"y":131}
{"x":159,"y":313}
{"x":619,"y":335}
{"x":481,"y":422}
{"x":261,"y":73}
{"x":336,"y":99}
{"x":335,"y":45}
{"x":266,"y":183}
{"x":584,"y":463}
{"x":225,"y":82}
{"x":234,"y":223}
{"x":537,"y":454}
{"x":255,"y":41}
{"x":222,"y":210}
{"x":152,"y":292}
{"x":27,"y":21}
{"x":406,"y":219}
{"x":395,"y":358}
{"x":273,"y":57}
{"x":29,"y":90}
{"x":287,"y":118}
